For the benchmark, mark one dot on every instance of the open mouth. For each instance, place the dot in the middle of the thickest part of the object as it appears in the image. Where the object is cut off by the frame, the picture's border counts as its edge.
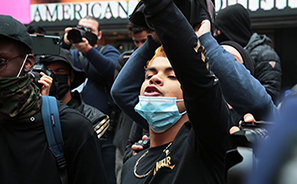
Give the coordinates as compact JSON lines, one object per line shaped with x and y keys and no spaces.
{"x":152,"y":91}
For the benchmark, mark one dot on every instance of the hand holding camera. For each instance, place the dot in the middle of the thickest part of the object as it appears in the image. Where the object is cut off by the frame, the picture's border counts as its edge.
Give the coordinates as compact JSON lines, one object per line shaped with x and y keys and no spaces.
{"x":249,"y":131}
{"x":141,"y":144}
{"x":81,"y":38}
{"x":46,"y":82}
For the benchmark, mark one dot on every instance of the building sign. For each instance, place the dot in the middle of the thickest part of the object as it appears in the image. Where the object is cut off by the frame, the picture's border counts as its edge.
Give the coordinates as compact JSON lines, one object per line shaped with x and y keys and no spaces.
{"x":75,"y":11}
{"x":255,"y":5}
{"x":68,"y":10}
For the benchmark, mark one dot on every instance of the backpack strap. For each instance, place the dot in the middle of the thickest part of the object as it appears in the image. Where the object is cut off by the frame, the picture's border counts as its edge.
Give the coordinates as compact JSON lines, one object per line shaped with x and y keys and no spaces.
{"x":52,"y":126}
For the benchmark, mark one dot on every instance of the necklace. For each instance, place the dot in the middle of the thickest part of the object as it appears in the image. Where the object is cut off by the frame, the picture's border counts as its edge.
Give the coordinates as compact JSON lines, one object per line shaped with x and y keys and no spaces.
{"x":137,"y":162}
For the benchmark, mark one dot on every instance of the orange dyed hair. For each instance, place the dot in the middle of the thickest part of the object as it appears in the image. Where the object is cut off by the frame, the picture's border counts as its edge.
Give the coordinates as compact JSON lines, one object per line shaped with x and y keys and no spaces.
{"x":158,"y":53}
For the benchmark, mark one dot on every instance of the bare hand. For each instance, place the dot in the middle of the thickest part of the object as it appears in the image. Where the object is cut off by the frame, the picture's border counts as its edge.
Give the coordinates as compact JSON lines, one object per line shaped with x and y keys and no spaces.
{"x":67,"y":29}
{"x":83,"y":46}
{"x":46,"y":82}
{"x":137,"y":148}
{"x":249,"y":118}
{"x":202,"y":28}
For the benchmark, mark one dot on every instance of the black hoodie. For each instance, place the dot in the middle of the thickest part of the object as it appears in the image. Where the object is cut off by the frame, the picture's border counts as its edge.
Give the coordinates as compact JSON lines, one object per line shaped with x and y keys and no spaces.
{"x":235,"y":24}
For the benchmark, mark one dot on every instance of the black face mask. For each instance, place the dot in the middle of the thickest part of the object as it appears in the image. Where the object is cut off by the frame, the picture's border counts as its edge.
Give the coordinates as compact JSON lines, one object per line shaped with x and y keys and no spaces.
{"x":59,"y":86}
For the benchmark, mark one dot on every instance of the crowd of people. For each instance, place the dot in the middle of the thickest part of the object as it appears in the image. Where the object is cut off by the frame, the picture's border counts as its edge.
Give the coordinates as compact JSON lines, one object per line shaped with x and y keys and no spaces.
{"x":196,"y":101}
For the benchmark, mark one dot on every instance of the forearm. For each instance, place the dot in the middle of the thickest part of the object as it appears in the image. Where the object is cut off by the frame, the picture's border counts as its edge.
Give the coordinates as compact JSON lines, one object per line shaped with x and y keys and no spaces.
{"x":240,"y":89}
{"x":126,"y":87}
{"x":101,"y":65}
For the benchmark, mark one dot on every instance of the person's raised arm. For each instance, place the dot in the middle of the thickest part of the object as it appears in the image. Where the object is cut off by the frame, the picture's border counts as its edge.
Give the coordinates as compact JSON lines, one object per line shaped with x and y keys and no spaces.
{"x":241,"y":90}
{"x":126,"y":87}
{"x":202,"y":95}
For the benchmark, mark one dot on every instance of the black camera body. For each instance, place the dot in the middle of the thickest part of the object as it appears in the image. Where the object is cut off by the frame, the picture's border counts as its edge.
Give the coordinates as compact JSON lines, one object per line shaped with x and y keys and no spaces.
{"x":76,"y":34}
{"x":35,"y":73}
{"x":144,"y":143}
{"x":250,"y":133}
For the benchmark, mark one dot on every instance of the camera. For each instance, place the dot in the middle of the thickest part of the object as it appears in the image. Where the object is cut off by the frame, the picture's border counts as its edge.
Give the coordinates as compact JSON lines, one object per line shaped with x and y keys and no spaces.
{"x":76,"y":34}
{"x":35,"y":73}
{"x":250,"y":133}
{"x":144,"y":143}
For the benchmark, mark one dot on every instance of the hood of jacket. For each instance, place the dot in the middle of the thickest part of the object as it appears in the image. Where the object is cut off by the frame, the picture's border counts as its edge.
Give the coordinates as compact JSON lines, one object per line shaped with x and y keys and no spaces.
{"x":235,"y":23}
{"x":257,"y":40}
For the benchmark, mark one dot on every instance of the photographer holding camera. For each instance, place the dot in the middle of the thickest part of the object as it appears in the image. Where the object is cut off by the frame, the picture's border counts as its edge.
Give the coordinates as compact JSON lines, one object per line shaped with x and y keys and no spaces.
{"x":99,"y":64}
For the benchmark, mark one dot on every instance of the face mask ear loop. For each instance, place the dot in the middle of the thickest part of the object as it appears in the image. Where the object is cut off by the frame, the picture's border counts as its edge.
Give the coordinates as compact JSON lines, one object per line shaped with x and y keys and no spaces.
{"x":22,"y":65}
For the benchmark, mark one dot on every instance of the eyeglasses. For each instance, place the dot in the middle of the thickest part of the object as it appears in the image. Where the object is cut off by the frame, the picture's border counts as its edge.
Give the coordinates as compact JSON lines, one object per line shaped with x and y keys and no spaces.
{"x":3,"y":62}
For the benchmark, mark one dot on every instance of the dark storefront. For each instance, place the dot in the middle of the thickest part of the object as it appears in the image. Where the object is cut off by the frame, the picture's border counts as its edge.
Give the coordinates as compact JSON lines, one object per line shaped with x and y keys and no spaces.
{"x":275,"y":18}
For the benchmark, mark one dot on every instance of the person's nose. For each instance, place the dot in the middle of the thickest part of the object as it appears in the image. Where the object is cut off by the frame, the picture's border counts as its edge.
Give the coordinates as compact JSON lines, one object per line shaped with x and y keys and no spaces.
{"x":156,"y":80}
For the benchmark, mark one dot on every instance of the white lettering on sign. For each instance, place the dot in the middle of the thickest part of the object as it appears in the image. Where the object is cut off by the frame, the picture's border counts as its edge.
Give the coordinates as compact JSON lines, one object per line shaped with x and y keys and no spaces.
{"x":255,"y":5}
{"x":102,"y":9}
{"x":122,"y":9}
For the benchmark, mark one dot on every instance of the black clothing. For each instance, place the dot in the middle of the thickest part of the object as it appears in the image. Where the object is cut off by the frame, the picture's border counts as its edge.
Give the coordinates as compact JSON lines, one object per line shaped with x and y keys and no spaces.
{"x":197,"y":153}
{"x":267,"y":64}
{"x":235,"y":24}
{"x":188,"y":161}
{"x":92,"y":113}
{"x":124,"y":122}
{"x":136,"y":134}
{"x":123,"y":58}
{"x":25,"y":157}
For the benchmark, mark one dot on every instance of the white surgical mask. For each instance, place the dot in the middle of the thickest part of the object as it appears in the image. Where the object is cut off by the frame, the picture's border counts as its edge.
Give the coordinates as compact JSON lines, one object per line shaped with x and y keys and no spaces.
{"x":161,"y":113}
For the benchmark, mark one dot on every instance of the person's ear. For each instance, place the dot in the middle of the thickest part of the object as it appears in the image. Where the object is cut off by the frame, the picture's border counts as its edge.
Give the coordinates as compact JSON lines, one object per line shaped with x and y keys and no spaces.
{"x":29,"y":63}
{"x":99,"y":35}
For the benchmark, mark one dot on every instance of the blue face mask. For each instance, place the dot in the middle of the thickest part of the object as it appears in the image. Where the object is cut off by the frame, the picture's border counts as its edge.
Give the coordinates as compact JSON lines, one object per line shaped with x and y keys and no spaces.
{"x":160,"y":112}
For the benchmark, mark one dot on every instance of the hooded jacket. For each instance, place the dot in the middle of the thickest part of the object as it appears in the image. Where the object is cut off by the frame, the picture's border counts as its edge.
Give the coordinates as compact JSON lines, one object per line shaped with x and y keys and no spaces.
{"x":267,"y":62}
{"x":235,"y":24}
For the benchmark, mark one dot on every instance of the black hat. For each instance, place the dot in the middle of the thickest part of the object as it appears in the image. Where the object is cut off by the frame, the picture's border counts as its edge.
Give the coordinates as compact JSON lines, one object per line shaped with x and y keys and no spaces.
{"x":13,"y":29}
{"x":248,"y":62}
{"x":65,"y":56}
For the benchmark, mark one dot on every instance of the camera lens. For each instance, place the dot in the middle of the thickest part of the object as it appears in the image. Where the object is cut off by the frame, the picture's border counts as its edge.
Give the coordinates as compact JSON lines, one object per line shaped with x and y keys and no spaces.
{"x":74,"y":36}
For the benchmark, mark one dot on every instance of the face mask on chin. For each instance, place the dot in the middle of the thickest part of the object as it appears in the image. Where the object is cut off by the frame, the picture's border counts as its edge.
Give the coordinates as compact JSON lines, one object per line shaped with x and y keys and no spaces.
{"x":161,"y":113}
